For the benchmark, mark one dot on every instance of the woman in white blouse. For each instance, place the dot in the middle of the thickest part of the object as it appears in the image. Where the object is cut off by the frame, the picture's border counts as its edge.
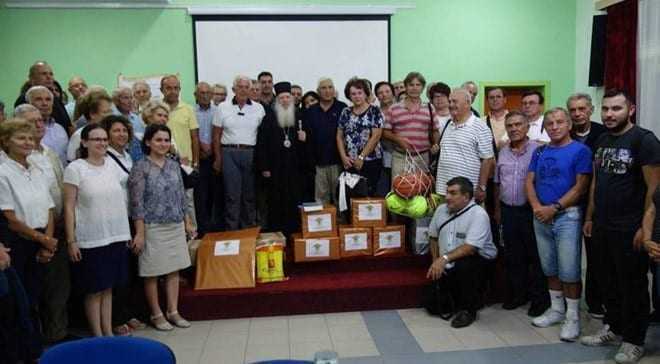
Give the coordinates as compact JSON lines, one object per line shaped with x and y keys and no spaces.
{"x":97,"y":229}
{"x":26,"y":204}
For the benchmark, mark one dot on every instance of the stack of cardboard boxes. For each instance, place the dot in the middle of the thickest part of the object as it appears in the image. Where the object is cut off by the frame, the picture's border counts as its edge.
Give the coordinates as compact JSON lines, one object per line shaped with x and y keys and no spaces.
{"x":367,"y":235}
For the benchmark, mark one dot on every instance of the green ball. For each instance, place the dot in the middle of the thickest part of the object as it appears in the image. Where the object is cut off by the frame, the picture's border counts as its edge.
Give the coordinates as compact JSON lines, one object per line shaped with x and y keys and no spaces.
{"x":417,"y":207}
{"x":396,"y":203}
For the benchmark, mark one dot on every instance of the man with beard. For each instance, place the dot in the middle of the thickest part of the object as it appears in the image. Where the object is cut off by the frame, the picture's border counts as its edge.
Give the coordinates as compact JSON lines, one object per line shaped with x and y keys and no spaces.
{"x":280,"y":160}
{"x":626,"y":174}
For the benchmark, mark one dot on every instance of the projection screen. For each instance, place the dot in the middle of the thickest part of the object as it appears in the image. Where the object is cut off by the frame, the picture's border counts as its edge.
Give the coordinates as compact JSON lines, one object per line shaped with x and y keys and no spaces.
{"x":299,"y":49}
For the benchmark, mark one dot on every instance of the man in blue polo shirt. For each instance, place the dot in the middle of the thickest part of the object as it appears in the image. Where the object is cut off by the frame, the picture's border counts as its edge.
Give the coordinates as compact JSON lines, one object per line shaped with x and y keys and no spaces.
{"x":320,"y":124}
{"x":558,"y":176}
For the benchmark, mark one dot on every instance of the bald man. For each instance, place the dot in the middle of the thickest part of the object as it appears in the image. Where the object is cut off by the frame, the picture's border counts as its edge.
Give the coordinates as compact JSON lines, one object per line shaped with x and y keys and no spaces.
{"x":41,"y":74}
{"x":466,"y":147}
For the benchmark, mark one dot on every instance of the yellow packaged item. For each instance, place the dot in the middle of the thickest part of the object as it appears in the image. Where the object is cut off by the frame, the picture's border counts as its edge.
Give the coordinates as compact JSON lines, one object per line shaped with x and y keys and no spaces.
{"x":270,"y":267}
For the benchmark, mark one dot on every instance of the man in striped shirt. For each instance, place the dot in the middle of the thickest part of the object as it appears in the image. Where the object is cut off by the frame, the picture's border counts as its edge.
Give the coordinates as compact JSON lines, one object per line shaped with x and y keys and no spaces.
{"x":411,"y":127}
{"x":466,"y":148}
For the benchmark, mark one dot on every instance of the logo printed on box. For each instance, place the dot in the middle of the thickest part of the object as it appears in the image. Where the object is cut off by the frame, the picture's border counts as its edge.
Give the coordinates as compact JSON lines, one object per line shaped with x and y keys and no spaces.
{"x":318,"y":223}
{"x":390,"y":239}
{"x":356,"y":241}
{"x":227,"y":247}
{"x":317,"y":248}
{"x":370,"y":211}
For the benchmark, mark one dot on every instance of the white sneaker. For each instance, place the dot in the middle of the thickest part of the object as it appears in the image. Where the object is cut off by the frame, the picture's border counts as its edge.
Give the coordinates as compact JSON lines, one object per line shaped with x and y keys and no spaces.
{"x":603,"y":337}
{"x":550,"y":317}
{"x":629,"y":353}
{"x":570,"y":330}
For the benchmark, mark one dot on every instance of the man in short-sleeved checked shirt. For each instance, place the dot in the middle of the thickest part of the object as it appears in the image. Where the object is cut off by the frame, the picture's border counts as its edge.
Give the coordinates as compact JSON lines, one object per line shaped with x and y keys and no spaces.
{"x":466,"y":148}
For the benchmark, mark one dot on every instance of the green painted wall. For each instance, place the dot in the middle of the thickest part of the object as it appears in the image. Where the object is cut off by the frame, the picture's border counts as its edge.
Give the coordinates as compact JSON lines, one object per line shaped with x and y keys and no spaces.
{"x":448,"y":40}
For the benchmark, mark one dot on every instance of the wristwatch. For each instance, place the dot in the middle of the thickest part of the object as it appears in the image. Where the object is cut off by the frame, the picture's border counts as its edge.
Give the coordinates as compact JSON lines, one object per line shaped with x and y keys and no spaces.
{"x":360,"y":157}
{"x":482,"y":188}
{"x":558,"y":206}
{"x":445,"y":257}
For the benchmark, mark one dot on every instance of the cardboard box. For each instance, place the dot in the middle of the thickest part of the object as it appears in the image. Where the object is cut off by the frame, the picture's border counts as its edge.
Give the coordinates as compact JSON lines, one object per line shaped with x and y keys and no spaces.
{"x":389,"y":240}
{"x":318,"y":224}
{"x":227,"y":260}
{"x":418,"y":235}
{"x":315,"y":249}
{"x":370,"y":211}
{"x":355,"y":241}
{"x":266,"y":238}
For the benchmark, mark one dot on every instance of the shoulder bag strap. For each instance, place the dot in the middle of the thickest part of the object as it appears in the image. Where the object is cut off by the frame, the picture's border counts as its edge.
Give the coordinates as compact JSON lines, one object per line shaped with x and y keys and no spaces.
{"x":121,"y":165}
{"x":456,"y":216}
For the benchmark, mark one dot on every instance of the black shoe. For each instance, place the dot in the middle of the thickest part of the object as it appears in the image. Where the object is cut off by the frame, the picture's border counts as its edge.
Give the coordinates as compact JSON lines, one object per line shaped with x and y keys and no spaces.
{"x":463,"y":319}
{"x":597,"y":314}
{"x":537,"y":309}
{"x":512,"y":305}
{"x":654,"y":317}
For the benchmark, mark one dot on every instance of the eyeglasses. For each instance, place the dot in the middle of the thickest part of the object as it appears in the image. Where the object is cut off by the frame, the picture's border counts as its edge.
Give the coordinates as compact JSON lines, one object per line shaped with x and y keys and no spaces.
{"x":98,"y":140}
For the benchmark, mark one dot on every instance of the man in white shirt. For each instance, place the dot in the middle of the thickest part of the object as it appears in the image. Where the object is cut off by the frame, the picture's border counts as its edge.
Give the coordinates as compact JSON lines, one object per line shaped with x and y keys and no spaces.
{"x":235,"y":128}
{"x":532,"y":107}
{"x":466,"y":147}
{"x":56,"y":136}
{"x":77,"y":88}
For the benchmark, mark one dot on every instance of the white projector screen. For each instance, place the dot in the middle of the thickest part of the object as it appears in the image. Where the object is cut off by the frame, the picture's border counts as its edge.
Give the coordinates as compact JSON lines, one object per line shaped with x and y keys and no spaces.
{"x":298,"y":50}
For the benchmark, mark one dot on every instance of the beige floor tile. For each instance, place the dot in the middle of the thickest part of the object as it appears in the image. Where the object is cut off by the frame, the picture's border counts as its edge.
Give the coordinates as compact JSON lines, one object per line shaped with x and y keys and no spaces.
{"x":190,"y":356}
{"x":269,"y":337}
{"x":436,"y":339}
{"x":349,"y":332}
{"x":307,"y":334}
{"x":307,"y":321}
{"x":355,"y":348}
{"x":306,"y":350}
{"x":478,"y":337}
{"x":223,"y":355}
{"x":269,"y":323}
{"x":232,"y":326}
{"x":344,"y":319}
{"x":266,"y":352}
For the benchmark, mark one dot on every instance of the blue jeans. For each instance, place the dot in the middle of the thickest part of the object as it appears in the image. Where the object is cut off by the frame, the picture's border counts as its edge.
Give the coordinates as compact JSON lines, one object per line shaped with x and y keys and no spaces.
{"x":560,"y":245}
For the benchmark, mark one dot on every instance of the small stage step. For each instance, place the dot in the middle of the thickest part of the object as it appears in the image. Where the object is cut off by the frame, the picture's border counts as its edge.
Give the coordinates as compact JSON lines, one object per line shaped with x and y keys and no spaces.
{"x":374,"y":283}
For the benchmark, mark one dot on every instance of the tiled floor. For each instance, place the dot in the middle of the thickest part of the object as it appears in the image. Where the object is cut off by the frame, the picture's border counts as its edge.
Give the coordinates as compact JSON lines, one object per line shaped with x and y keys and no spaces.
{"x":385,"y":337}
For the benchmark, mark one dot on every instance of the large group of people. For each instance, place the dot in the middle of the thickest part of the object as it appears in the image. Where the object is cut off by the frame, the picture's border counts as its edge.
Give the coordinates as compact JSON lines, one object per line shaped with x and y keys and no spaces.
{"x":100,"y":195}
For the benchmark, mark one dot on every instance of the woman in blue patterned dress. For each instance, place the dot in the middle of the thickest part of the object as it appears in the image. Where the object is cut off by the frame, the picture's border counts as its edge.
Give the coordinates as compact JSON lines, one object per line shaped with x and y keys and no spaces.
{"x":358,"y":134}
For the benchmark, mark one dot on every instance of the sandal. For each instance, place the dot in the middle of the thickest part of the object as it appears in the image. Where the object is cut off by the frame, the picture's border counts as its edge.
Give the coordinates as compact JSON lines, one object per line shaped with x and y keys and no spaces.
{"x":177,"y":320}
{"x":122,"y":330}
{"x":136,"y":324}
{"x":160,"y":323}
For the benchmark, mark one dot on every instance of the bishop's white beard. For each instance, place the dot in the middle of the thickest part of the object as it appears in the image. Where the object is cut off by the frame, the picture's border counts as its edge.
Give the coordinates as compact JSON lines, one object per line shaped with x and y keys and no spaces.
{"x":286,"y":117}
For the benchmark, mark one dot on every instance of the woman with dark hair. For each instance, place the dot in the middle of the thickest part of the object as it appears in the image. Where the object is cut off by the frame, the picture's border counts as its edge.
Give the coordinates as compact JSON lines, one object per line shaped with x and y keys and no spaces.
{"x":158,"y":209}
{"x":125,"y":309}
{"x":310,"y":98}
{"x":96,"y":223}
{"x":358,"y":134}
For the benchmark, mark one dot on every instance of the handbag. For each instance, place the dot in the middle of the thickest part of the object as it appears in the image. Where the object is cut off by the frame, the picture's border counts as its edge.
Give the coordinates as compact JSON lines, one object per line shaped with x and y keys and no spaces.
{"x":190,"y":180}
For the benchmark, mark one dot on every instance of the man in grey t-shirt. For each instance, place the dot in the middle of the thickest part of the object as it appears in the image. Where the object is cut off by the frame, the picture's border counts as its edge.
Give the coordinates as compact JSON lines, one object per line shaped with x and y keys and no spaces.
{"x":461,"y":243}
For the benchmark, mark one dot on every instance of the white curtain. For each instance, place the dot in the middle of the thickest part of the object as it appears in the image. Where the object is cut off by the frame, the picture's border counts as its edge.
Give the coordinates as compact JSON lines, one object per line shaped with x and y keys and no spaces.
{"x":648,"y":65}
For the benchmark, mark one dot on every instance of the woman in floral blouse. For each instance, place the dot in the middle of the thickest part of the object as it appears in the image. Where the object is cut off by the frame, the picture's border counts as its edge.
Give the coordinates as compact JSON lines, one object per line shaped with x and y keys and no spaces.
{"x":358,"y":134}
{"x":158,"y":209}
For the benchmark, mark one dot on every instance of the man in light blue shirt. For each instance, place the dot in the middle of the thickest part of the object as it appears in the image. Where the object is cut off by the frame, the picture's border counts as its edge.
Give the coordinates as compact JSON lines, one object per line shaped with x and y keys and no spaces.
{"x":461,"y":243}
{"x":77,"y":88}
{"x":122,"y":98}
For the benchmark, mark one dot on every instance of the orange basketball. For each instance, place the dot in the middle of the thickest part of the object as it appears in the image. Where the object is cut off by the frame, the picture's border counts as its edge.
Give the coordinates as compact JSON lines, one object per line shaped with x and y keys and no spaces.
{"x":410,"y":185}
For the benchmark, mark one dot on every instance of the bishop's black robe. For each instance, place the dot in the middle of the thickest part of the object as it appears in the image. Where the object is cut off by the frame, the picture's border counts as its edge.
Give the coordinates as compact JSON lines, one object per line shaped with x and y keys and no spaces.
{"x":287,"y":167}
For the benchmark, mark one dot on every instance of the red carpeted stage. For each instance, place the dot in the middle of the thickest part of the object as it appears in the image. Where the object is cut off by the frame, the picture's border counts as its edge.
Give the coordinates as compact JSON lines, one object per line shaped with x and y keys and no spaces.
{"x":372,"y":283}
